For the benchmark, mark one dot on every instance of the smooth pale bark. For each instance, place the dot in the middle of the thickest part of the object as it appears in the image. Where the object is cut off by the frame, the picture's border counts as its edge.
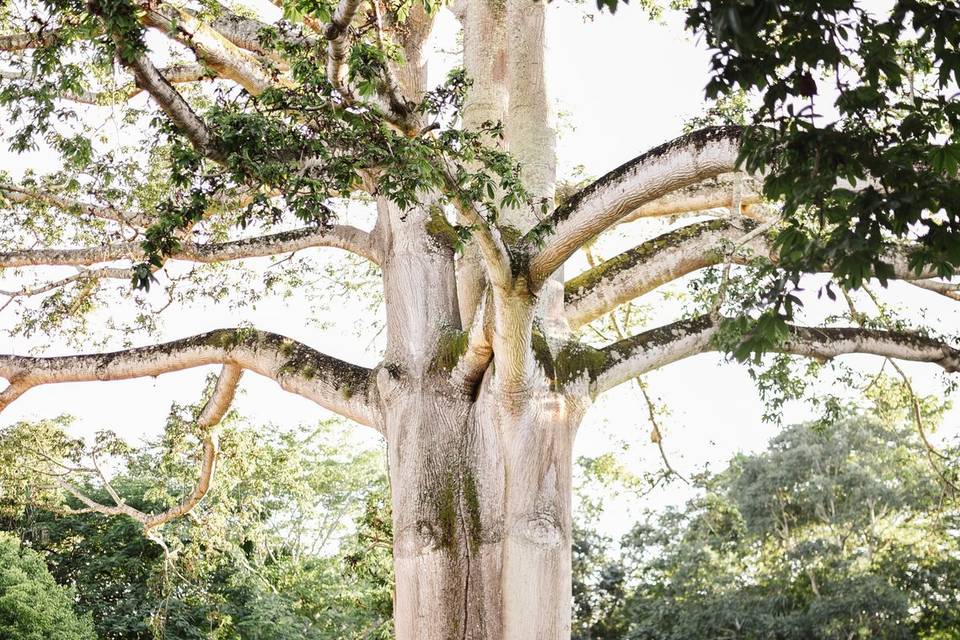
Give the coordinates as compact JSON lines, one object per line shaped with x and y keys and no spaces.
{"x":481,"y":504}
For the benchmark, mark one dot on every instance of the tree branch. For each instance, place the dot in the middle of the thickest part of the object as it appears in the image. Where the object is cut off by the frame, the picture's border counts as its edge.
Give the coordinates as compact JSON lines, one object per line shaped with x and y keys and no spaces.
{"x":210,"y":416}
{"x":658,"y":347}
{"x":24,"y":41}
{"x":336,"y":385}
{"x":716,"y":193}
{"x":344,"y":237}
{"x":677,"y":164}
{"x":210,"y":46}
{"x":479,"y":352}
{"x":947,"y":289}
{"x":148,"y":77}
{"x":337,"y":34}
{"x":675,"y":254}
{"x":22,"y":195}
{"x":174,"y":74}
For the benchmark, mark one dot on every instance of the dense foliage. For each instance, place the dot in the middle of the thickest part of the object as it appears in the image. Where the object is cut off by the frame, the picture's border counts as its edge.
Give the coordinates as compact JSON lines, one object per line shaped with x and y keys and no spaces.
{"x":293,"y":542}
{"x":856,"y":124}
{"x":32,"y":605}
{"x":830,"y":533}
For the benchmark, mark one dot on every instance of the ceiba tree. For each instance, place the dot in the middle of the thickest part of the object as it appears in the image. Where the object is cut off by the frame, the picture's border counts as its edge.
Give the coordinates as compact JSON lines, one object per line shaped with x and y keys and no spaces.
{"x":259,"y":125}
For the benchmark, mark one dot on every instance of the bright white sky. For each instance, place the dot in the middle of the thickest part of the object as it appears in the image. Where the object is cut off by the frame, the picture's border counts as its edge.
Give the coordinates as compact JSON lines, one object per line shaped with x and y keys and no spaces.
{"x":624,"y":84}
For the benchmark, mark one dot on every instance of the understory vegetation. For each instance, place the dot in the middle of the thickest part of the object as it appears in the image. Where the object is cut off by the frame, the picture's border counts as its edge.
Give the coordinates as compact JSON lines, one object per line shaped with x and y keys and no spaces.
{"x":839,"y":530}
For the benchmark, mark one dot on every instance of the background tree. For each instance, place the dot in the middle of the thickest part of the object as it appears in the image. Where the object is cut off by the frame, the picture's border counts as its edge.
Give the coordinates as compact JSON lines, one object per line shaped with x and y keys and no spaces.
{"x":287,"y":544}
{"x":836,"y":531}
{"x":260,"y":130}
{"x":32,"y":604}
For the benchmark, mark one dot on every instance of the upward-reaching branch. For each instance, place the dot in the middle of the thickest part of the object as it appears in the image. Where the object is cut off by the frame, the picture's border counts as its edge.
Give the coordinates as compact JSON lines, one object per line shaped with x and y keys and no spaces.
{"x":674,"y":165}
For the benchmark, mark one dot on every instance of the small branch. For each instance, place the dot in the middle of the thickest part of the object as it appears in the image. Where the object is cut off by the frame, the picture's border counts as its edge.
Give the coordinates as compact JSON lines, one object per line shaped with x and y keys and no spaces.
{"x":656,"y":433}
{"x":21,"y":194}
{"x":210,"y":416}
{"x":174,"y":74}
{"x":934,"y":457}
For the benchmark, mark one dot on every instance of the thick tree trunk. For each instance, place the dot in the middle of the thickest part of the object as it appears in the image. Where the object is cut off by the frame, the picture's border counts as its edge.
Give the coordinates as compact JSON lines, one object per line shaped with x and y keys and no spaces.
{"x":481,"y":508}
{"x":480,"y":480}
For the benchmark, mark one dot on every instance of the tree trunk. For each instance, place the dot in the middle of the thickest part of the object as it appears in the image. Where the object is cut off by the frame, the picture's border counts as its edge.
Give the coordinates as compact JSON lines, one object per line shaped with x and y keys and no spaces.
{"x":481,"y":511}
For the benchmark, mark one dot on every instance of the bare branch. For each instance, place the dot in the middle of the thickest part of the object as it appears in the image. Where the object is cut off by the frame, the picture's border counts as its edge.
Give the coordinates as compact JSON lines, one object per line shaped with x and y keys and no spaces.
{"x":344,"y":237}
{"x":339,"y":386}
{"x":174,"y":74}
{"x":677,"y":164}
{"x":210,"y":417}
{"x":216,"y":51}
{"x":79,"y":276}
{"x":675,"y":254}
{"x":22,"y":195}
{"x":653,"y":349}
{"x":149,"y":78}
{"x":715,"y":193}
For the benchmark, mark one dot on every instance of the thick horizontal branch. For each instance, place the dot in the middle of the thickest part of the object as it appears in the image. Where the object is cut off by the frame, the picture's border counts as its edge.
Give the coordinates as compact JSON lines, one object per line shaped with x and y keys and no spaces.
{"x":677,"y":164}
{"x":339,"y":386}
{"x":663,"y":259}
{"x":344,"y":237}
{"x":636,"y":355}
